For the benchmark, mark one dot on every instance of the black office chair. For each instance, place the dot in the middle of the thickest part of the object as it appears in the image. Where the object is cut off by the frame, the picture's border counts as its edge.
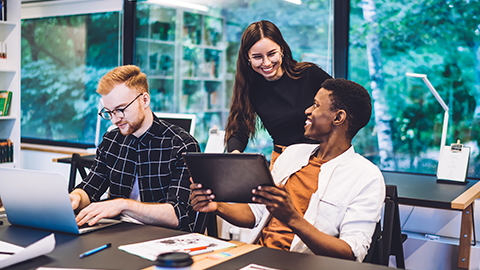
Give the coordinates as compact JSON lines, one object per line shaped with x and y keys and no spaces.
{"x":388,"y":241}
{"x":206,"y":221}
{"x":76,"y":164}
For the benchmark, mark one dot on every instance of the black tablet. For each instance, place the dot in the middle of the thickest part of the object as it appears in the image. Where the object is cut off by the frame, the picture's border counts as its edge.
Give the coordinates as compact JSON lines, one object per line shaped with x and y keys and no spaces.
{"x":231,"y":177}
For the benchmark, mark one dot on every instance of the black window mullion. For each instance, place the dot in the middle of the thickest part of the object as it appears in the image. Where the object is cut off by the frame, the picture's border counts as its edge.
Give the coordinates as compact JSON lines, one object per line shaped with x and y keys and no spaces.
{"x":129,"y":17}
{"x":341,"y":25}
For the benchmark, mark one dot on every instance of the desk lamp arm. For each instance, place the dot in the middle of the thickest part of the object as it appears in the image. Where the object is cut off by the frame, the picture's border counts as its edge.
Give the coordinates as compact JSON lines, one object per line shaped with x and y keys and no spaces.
{"x":442,"y":103}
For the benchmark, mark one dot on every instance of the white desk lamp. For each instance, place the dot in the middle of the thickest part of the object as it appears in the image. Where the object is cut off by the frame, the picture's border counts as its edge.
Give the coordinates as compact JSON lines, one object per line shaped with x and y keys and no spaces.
{"x":440,"y":100}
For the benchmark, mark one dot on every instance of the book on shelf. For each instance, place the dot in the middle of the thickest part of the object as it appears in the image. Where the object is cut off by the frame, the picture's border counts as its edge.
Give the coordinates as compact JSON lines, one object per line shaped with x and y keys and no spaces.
{"x":3,"y":10}
{"x":5,"y":100}
{"x":3,"y":54}
{"x":4,"y":5}
{"x":6,"y":151}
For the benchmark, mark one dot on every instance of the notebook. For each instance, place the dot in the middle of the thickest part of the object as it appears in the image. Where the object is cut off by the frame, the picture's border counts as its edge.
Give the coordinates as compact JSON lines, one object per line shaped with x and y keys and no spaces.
{"x":40,"y":200}
{"x":231,"y":177}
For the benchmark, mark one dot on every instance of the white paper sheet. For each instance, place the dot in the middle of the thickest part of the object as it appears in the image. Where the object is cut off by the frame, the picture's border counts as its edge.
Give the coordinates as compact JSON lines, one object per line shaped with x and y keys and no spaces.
{"x":453,"y":165}
{"x":151,"y":249}
{"x":41,"y":247}
{"x":7,"y":247}
{"x":56,"y":268}
{"x":254,"y":266}
{"x":215,"y":142}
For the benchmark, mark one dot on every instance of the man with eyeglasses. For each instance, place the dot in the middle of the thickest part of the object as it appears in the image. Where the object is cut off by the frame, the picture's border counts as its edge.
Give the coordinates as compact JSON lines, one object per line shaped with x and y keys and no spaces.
{"x":140,"y":161}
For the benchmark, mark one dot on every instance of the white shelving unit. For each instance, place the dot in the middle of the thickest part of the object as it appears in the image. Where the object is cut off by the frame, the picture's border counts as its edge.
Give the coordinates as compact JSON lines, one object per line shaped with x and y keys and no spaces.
{"x":10,"y":79}
{"x":183,"y":54}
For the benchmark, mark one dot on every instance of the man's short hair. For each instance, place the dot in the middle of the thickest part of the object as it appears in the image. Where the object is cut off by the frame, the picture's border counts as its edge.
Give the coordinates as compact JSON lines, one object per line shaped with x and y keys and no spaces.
{"x":354,"y":99}
{"x":130,"y":75}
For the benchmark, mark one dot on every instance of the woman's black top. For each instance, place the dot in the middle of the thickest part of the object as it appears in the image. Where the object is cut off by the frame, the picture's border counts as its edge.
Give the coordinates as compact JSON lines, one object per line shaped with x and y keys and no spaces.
{"x":281,"y":106}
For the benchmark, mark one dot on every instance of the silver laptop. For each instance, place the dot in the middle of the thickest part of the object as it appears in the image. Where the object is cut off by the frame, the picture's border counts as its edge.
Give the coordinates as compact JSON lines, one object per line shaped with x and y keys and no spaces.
{"x":40,"y":200}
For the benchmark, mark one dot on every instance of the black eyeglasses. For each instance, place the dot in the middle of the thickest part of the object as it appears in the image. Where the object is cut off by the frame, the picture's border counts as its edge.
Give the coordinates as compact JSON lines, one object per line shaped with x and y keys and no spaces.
{"x":120,"y":113}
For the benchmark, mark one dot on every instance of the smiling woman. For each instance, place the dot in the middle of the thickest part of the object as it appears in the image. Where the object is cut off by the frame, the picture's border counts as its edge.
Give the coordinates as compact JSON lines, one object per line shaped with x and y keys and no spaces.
{"x":270,"y":84}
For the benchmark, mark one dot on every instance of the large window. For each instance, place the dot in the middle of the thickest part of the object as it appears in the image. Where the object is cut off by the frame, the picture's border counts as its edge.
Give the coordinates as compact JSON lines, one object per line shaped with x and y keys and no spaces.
{"x":188,"y":52}
{"x":188,"y":49}
{"x":63,"y":57}
{"x":438,"y":38}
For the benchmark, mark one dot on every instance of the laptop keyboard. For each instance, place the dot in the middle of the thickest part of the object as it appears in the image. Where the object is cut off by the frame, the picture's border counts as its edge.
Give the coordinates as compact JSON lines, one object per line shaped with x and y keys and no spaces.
{"x":88,"y":226}
{"x":100,"y":224}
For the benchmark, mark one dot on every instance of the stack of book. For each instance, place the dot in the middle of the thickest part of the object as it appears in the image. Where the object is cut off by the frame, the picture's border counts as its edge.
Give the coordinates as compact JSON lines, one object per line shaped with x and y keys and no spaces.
{"x":5,"y":100}
{"x":6,"y":151}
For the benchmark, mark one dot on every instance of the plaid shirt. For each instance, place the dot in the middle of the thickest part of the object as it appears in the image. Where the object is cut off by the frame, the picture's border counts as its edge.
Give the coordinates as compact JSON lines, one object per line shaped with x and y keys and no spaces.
{"x":155,"y":157}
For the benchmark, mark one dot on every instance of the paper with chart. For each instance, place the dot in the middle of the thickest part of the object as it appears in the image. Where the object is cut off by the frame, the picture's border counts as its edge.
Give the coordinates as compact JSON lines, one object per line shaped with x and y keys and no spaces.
{"x":41,"y":247}
{"x":151,"y":249}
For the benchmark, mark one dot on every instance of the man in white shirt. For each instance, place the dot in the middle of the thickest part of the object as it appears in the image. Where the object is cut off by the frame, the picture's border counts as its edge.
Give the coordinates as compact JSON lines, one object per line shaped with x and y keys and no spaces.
{"x":328,"y":198}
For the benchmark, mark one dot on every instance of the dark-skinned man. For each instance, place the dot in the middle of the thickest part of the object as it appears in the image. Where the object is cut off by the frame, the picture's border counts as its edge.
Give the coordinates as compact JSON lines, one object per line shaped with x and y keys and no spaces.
{"x":327,"y":198}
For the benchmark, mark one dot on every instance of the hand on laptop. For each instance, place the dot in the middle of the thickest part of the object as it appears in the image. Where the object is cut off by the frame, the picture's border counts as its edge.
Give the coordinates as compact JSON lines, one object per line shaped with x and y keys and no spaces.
{"x":96,"y":211}
{"x":75,"y":200}
{"x":201,"y":199}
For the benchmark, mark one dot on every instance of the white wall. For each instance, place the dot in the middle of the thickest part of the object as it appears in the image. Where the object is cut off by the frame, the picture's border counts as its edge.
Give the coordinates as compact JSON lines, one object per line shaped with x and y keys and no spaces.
{"x":42,"y":161}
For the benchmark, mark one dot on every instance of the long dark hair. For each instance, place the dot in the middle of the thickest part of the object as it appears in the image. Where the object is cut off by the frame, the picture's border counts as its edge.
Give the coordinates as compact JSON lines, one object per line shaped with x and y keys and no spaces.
{"x":242,"y":114}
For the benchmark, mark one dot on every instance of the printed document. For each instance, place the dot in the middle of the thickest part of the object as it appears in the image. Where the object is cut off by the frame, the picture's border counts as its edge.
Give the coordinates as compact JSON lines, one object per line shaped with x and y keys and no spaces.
{"x":183,"y":243}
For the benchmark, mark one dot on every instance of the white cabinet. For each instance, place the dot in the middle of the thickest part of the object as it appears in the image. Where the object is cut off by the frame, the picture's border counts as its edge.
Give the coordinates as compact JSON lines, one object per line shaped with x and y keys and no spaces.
{"x":10,"y":79}
{"x":183,"y":54}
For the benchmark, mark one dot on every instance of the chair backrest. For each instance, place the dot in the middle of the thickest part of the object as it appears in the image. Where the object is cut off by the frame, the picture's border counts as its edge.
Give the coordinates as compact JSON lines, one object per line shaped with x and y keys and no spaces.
{"x":388,"y":241}
{"x":206,"y":221}
{"x":376,"y":246}
{"x":76,"y":164}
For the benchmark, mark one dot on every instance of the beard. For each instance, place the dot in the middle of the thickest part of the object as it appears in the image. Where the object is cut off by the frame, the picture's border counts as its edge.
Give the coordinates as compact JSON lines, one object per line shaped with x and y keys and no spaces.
{"x":132,"y":126}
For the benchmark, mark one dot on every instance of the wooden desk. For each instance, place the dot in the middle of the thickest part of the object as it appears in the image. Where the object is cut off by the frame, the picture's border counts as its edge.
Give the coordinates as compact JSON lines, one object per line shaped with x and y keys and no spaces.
{"x":423,"y":190}
{"x":68,"y":246}
{"x":204,"y":261}
{"x":87,"y":159}
{"x":291,"y":260}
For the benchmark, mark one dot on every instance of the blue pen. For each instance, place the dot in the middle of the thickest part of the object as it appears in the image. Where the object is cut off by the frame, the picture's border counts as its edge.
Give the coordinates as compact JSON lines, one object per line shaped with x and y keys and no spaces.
{"x":95,"y":250}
